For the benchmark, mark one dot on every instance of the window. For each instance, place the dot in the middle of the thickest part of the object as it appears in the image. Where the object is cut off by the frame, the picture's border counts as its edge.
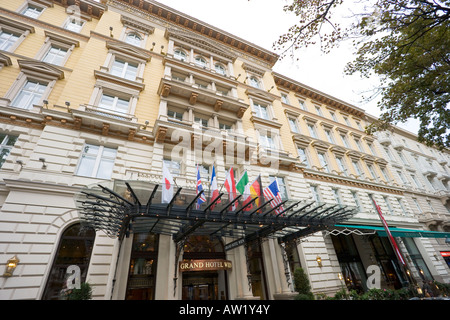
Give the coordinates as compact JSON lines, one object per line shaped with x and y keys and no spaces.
{"x":74,"y":25}
{"x":261,"y":111}
{"x":372,"y":150}
{"x":254,"y":82}
{"x":402,"y":177}
{"x":347,"y":122}
{"x":32,"y":11}
{"x":180,"y":54}
{"x":417,"y":205}
{"x":201,"y":121}
{"x":402,"y":158}
{"x":7,"y":40}
{"x":400,"y":203}
{"x":359,"y":145}
{"x":357,"y":167}
{"x":312,"y":130}
{"x":359,"y":125}
{"x":372,"y":172}
{"x":333,"y":116}
{"x":124,"y":69}
{"x":318,"y":111}
{"x":315,"y":193}
{"x":323,"y":161}
{"x":204,"y":172}
{"x":430,"y":205}
{"x":336,"y":196}
{"x":175,"y":115}
{"x":281,"y":186}
{"x":200,"y":61}
{"x":96,"y":162}
{"x":133,"y":39}
{"x":416,"y":182}
{"x":6,"y":144}
{"x":385,"y":174}
{"x":356,"y":200}
{"x":341,"y":165}
{"x":293,"y":125}
{"x":30,"y":94}
{"x":266,"y":141}
{"x":114,"y":103}
{"x":329,"y":135}
{"x":173,"y":166}
{"x":220,"y":69}
{"x":388,"y":153}
{"x":224,"y":126}
{"x":388,"y":204}
{"x":302,"y":104}
{"x":55,"y":55}
{"x":303,"y":156}
{"x":344,"y":140}
{"x":284,"y":98}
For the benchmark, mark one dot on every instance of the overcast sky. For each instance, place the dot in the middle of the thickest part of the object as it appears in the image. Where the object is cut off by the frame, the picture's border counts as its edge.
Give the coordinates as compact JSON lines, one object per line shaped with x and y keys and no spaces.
{"x":262,"y":22}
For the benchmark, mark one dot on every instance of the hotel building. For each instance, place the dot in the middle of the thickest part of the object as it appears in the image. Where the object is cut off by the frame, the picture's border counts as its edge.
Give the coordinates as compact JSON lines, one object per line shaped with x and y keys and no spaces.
{"x":96,"y":97}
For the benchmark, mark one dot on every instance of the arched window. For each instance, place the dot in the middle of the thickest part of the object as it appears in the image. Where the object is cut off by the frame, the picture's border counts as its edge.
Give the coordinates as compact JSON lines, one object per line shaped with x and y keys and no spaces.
{"x":180,"y":54}
{"x":133,"y":38}
{"x":200,"y":61}
{"x":220,"y":69}
{"x":75,"y":248}
{"x":254,"y":82}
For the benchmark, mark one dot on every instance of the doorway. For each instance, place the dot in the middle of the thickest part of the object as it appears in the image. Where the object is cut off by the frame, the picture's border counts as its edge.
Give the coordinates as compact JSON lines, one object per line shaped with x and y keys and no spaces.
{"x":204,"y":285}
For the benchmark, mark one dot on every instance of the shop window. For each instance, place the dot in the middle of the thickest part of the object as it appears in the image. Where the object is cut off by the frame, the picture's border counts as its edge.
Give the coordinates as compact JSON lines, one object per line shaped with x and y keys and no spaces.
{"x":75,"y":248}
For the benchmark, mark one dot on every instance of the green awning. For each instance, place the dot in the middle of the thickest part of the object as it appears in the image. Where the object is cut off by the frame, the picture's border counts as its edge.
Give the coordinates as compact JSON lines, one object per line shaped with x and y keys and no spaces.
{"x":400,"y":232}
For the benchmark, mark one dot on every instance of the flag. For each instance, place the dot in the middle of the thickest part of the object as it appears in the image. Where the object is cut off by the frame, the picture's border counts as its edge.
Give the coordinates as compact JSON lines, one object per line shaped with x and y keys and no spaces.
{"x":167,"y":184}
{"x":230,"y":185}
{"x":202,"y":198}
{"x":256,"y":190}
{"x":390,"y":237}
{"x":214,"y":190}
{"x":272,"y":191}
{"x":243,"y":181}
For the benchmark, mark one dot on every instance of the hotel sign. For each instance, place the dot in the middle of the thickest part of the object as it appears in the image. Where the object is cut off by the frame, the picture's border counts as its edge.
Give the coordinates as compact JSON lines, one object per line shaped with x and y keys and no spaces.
{"x":205,"y":265}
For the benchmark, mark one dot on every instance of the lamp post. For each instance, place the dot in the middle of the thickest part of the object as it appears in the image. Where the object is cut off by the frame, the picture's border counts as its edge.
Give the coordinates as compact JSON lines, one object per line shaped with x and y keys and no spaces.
{"x":11,"y":266}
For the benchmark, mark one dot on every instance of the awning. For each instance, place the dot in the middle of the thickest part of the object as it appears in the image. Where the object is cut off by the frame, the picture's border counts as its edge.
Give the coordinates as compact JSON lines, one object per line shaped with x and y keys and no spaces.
{"x":400,"y":232}
{"x":120,"y":207}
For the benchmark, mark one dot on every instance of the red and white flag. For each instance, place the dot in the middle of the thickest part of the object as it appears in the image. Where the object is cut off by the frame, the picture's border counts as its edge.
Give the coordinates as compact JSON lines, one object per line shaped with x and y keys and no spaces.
{"x":167,"y":185}
{"x":230,"y":185}
{"x":390,"y":237}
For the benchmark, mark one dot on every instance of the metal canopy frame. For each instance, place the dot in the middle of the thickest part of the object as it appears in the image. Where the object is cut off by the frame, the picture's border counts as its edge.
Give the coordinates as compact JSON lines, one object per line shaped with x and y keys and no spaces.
{"x":120,"y":207}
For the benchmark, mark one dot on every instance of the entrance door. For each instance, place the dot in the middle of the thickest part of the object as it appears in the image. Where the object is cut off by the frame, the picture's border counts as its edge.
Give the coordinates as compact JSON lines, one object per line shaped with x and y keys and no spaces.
{"x":201,"y":286}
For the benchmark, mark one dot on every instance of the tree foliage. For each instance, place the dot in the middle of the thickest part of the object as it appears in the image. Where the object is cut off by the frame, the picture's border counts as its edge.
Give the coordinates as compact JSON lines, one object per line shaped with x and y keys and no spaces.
{"x":405,"y":43}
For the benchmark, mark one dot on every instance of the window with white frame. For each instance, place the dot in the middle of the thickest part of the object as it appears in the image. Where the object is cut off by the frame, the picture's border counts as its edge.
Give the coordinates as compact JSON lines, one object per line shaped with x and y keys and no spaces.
{"x":32,"y":11}
{"x":293,"y":124}
{"x":29,"y":95}
{"x":202,"y":122}
{"x":357,"y":167}
{"x":302,"y":104}
{"x":261,"y":111}
{"x":336,"y":196}
{"x":318,"y":110}
{"x":388,"y":153}
{"x":329,"y":135}
{"x":134,"y":39}
{"x":333,"y":116}
{"x":417,"y":205}
{"x":175,"y":114}
{"x":200,"y":61}
{"x":220,"y":69}
{"x":323,"y":161}
{"x":180,"y":54}
{"x":356,"y":200}
{"x":284,"y":98}
{"x":385,"y":174}
{"x":114,"y":103}
{"x":388,"y":204}
{"x":254,"y":82}
{"x":359,"y":145}
{"x":372,"y":171}
{"x":97,"y":162}
{"x":315,"y":193}
{"x":124,"y":69}
{"x":74,"y":24}
{"x":400,"y":203}
{"x":341,"y":165}
{"x":347,"y":122}
{"x":55,"y":55}
{"x":312,"y":130}
{"x":430,"y":205}
{"x":7,"y":39}
{"x":344,"y":140}
{"x":6,"y":144}
{"x":416,"y":182}
{"x":302,"y":153}
{"x":402,"y":177}
{"x":266,"y":140}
